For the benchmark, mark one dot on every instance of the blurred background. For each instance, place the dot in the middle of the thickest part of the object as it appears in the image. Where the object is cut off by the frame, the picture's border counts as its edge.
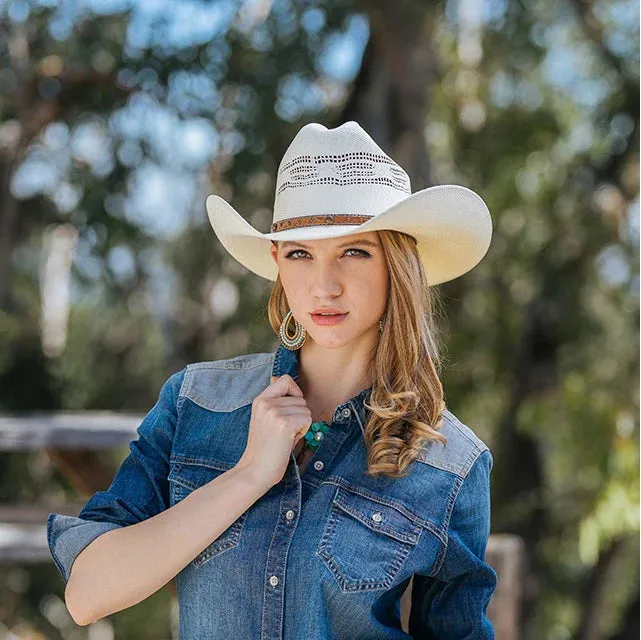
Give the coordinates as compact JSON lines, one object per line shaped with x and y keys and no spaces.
{"x":119,"y":117}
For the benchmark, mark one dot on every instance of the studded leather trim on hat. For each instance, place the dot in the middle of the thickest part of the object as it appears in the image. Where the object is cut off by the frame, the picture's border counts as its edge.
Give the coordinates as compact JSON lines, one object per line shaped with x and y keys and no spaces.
{"x":313,"y":221}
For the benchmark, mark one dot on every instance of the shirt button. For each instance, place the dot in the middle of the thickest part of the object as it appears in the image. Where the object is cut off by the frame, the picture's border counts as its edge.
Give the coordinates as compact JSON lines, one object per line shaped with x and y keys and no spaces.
{"x":318,"y":465}
{"x":289,"y":515}
{"x":377,"y":516}
{"x":346,"y":412}
{"x":273,"y":581}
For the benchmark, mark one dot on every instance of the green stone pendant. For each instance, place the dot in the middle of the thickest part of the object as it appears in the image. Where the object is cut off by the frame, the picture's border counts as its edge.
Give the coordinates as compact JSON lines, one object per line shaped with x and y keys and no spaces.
{"x":316,"y":434}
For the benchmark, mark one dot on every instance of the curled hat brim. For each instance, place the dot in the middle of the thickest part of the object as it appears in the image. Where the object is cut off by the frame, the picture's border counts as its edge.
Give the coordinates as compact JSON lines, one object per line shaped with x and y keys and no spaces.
{"x":451,"y":223}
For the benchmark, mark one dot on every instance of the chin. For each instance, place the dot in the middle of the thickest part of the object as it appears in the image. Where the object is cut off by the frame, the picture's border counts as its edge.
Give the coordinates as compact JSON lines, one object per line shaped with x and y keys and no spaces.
{"x":334,"y":341}
{"x":324,"y":340}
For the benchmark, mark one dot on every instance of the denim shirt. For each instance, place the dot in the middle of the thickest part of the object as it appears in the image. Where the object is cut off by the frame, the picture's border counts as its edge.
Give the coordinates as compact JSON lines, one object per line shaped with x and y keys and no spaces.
{"x":323,"y":556}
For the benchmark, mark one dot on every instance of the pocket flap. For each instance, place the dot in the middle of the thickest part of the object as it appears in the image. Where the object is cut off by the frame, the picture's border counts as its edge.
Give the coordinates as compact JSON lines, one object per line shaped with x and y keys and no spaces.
{"x":194,"y":473}
{"x":384,"y":518}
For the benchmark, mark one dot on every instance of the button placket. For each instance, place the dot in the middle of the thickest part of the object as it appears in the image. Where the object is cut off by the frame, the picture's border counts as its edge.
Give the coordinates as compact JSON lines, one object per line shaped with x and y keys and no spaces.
{"x":336,"y":434}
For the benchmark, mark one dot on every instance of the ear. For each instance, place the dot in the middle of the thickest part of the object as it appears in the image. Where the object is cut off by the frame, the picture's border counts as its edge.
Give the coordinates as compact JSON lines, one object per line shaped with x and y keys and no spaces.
{"x":274,"y":251}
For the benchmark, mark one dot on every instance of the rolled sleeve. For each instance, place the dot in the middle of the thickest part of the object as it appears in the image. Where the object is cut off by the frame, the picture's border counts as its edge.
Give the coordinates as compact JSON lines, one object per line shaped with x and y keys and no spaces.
{"x":139,"y":490}
{"x":452,"y":604}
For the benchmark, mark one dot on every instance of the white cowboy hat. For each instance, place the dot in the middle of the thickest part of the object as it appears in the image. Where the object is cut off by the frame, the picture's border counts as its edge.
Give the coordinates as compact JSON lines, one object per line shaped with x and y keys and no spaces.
{"x":339,"y":182}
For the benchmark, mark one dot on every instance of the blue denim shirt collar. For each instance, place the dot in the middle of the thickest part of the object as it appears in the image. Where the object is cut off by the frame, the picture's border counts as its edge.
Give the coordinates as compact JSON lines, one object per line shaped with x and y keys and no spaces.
{"x":287,"y":361}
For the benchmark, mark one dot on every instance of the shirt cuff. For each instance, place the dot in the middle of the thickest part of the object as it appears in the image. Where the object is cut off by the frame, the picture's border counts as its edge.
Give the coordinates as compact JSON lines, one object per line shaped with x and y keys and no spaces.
{"x":67,"y":536}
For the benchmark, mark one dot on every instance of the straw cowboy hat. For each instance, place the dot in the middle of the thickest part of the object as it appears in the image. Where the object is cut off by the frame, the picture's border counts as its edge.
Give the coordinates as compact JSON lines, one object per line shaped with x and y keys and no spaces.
{"x":339,"y":182}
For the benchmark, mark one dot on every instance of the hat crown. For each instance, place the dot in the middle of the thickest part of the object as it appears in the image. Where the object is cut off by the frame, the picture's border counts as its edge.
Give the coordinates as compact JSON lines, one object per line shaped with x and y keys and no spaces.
{"x":337,"y":171}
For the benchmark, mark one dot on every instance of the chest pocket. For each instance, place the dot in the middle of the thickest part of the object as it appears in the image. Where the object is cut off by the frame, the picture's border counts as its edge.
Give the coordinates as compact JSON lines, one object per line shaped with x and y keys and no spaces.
{"x":185,"y":477}
{"x":366,"y":542}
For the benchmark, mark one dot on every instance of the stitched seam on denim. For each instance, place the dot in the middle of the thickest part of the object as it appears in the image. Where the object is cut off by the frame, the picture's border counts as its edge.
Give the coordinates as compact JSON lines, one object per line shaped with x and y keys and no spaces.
{"x":473,"y":457}
{"x":324,"y":550}
{"x":451,"y":503}
{"x":197,"y":402}
{"x":439,"y":532}
{"x":230,"y":540}
{"x":287,"y":545}
{"x":191,"y":369}
{"x":440,"y":556}
{"x":183,"y":384}
{"x":474,"y":439}
{"x":356,"y":413}
{"x":179,"y":403}
{"x":210,"y":463}
{"x":386,"y":529}
{"x":244,"y":361}
{"x":375,"y":498}
{"x":310,"y":480}
{"x":176,"y":481}
{"x":478,"y":444}
{"x":455,"y":493}
{"x":268,"y":568}
{"x":177,"y":477}
{"x":61,"y":568}
{"x":232,"y":535}
{"x":391,"y":532}
{"x":442,"y":466}
{"x":388,"y":502}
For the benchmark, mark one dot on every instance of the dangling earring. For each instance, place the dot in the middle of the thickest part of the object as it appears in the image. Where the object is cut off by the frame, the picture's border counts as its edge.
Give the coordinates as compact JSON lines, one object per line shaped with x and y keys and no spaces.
{"x":380,"y":324}
{"x":295,"y":341}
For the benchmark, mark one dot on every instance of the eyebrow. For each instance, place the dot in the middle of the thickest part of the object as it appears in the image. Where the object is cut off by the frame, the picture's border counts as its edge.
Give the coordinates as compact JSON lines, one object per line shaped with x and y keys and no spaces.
{"x":351,"y":243}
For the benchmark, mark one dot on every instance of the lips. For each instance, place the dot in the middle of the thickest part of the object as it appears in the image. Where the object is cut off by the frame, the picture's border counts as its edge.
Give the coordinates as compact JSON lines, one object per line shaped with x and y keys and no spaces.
{"x":328,"y":314}
{"x":328,"y":310}
{"x":328,"y":320}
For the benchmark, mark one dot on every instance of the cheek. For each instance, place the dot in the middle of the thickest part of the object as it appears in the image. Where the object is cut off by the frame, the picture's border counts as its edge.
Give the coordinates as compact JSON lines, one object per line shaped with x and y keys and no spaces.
{"x":377,"y":281}
{"x":292,"y":279}
{"x":295,"y":287}
{"x":371,"y":291}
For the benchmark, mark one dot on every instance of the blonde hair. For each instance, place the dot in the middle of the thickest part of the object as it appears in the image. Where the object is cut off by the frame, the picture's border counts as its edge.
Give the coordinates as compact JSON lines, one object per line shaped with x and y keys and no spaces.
{"x":407,"y":398}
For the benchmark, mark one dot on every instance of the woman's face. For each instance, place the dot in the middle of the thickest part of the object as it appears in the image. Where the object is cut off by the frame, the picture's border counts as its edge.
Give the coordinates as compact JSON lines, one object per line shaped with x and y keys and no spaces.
{"x":345,"y":273}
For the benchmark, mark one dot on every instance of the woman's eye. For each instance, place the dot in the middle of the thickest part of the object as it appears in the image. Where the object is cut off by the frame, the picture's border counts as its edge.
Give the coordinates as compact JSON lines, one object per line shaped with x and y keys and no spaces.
{"x":358,"y":251}
{"x":291,"y":253}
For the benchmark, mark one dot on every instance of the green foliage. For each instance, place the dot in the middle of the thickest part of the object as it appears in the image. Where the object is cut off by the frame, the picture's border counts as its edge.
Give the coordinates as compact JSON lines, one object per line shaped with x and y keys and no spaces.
{"x":542,"y":336}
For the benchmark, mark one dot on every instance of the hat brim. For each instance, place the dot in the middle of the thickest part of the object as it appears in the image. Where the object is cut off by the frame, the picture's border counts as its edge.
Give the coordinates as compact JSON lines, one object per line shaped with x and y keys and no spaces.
{"x":451,"y":223}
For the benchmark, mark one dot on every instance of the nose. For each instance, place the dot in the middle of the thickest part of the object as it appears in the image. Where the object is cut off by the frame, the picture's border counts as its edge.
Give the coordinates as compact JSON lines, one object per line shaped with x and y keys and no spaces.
{"x":325,"y":280}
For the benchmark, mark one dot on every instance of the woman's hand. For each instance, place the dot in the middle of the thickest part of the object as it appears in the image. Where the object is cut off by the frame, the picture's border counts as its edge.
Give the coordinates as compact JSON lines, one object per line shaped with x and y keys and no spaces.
{"x":279,"y":418}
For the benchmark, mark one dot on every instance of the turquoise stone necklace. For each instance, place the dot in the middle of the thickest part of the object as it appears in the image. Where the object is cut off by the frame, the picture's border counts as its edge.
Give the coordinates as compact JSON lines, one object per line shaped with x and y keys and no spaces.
{"x":316,"y":434}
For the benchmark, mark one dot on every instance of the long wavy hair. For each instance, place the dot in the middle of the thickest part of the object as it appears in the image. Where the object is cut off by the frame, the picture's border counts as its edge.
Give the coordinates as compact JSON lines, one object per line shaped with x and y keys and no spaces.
{"x":407,"y":400}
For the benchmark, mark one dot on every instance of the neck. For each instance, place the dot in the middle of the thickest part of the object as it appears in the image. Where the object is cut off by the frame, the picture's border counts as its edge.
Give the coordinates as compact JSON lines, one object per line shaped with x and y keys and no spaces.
{"x":329,"y":377}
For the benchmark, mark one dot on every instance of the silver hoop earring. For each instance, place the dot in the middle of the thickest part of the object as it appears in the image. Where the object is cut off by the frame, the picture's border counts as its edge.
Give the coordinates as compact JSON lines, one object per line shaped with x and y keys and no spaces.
{"x":295,"y":341}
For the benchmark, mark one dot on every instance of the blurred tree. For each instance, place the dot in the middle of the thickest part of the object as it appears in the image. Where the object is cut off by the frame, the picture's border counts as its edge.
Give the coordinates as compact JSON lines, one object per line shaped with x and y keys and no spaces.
{"x":120,"y":123}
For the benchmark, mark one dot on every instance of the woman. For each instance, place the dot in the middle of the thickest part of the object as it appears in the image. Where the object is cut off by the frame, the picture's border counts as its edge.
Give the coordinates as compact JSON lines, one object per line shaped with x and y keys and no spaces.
{"x":294,"y":494}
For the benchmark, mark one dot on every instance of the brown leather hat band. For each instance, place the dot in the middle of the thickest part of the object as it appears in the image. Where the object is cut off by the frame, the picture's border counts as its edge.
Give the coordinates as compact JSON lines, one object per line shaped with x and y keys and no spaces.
{"x":314,"y":221}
